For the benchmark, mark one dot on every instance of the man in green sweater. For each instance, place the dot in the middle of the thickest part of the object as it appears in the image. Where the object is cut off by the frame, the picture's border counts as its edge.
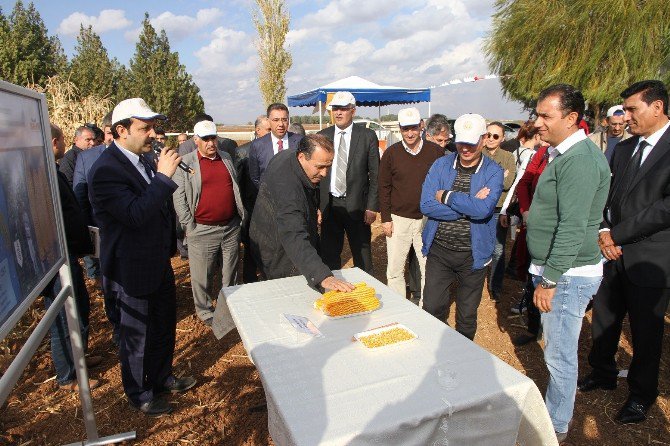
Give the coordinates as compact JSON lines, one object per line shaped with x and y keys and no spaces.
{"x":562,"y":240}
{"x":494,"y":137}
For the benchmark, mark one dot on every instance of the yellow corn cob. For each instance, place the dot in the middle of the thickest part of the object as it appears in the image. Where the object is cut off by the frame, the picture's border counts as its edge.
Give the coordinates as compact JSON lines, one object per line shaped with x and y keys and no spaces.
{"x":337,"y":303}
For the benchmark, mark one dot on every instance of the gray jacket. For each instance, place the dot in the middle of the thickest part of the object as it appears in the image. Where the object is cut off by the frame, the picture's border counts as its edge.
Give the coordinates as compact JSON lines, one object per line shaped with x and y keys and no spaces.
{"x":189,"y":187}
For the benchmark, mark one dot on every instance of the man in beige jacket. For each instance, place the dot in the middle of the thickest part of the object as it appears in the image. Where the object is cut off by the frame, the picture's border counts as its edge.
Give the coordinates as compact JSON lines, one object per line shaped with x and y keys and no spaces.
{"x":614,"y":133}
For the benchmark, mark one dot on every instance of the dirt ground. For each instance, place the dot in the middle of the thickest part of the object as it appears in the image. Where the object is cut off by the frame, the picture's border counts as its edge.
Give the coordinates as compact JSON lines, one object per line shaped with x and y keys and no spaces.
{"x":226,"y":407}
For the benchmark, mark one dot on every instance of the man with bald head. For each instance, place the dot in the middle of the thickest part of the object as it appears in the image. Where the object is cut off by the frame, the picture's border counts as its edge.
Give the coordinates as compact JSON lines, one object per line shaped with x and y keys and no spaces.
{"x":84,"y":139}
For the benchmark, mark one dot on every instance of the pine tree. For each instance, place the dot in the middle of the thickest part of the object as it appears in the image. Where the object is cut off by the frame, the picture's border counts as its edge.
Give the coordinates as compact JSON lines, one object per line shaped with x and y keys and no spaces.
{"x":157,"y":76}
{"x":90,"y":69}
{"x":599,"y":46}
{"x":27,"y":53}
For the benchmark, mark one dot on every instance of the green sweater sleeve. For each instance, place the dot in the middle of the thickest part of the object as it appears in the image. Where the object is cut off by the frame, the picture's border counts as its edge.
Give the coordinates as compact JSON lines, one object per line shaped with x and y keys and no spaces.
{"x":576,"y":188}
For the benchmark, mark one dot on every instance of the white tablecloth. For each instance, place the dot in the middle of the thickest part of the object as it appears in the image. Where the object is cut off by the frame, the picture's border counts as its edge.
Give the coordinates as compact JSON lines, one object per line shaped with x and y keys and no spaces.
{"x":440,"y":389}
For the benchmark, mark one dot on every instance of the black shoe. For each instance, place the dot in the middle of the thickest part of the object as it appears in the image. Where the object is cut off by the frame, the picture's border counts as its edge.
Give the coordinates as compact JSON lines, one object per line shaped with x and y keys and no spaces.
{"x":178,"y":385}
{"x":632,"y":412}
{"x":524,"y":339}
{"x":495,"y":296}
{"x":588,"y":383}
{"x":157,"y":406}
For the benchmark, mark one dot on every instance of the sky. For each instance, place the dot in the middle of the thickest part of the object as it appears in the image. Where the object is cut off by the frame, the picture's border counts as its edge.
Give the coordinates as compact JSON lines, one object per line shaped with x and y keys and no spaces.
{"x":414,"y":44}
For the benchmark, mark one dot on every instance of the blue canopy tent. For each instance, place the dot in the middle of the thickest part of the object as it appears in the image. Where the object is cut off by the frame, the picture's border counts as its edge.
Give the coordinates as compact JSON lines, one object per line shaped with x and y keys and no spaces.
{"x":366,"y":93}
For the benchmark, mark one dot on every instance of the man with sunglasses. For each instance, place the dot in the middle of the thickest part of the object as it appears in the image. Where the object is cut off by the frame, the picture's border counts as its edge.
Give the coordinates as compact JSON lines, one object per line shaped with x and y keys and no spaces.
{"x":209,"y":208}
{"x":614,"y":133}
{"x":494,"y":137}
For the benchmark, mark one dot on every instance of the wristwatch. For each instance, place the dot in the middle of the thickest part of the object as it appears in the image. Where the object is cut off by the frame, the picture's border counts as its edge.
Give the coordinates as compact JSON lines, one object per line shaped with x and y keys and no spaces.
{"x":547,"y":284}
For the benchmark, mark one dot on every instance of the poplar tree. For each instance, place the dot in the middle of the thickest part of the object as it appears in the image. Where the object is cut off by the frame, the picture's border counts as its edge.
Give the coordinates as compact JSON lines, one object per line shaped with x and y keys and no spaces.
{"x":27,"y":54}
{"x":157,"y":76}
{"x":272,"y":23}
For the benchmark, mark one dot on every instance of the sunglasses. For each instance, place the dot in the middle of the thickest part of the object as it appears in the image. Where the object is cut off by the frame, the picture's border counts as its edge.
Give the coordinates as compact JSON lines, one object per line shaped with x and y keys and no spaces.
{"x":493,"y":135}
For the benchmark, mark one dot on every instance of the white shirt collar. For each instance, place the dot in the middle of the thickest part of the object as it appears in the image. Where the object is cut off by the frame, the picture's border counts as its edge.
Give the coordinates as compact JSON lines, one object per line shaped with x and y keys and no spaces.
{"x":570,"y":141}
{"x":275,"y":139}
{"x":654,"y":137}
{"x":409,"y":151}
{"x":132,"y":157}
{"x":346,"y":131}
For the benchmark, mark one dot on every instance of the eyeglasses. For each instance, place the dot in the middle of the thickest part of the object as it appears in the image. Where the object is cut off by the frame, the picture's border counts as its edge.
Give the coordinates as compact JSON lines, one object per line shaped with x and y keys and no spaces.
{"x":493,"y":135}
{"x":279,"y":119}
{"x":406,"y":128}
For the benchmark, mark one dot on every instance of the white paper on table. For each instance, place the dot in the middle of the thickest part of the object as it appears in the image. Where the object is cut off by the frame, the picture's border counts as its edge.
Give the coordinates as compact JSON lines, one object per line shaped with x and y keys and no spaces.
{"x":303,"y":325}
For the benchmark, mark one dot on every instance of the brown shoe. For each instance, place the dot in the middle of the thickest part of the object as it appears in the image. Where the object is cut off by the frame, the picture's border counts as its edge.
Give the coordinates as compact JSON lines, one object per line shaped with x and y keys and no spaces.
{"x":73,"y":386}
{"x":93,"y":361}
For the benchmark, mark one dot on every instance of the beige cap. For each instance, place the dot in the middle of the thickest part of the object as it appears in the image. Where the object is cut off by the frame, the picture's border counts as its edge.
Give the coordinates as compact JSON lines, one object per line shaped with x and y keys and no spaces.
{"x":204,"y":129}
{"x":409,"y":116}
{"x":134,"y":108}
{"x":469,"y":128}
{"x":342,"y":99}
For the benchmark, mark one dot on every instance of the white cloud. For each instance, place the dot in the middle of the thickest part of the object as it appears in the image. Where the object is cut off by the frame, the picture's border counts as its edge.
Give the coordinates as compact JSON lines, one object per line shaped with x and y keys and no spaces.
{"x":178,"y":27}
{"x":107,"y":20}
{"x":227,"y":76}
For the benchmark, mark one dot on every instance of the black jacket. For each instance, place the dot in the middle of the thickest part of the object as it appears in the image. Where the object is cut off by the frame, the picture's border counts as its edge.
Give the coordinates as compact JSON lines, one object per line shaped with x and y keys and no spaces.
{"x":283,"y":232}
{"x":642,"y":227}
{"x":76,"y":229}
{"x":362,"y":172}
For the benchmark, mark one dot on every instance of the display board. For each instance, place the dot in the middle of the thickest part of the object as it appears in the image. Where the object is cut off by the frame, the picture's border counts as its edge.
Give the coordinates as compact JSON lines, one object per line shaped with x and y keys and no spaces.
{"x":31,"y":244}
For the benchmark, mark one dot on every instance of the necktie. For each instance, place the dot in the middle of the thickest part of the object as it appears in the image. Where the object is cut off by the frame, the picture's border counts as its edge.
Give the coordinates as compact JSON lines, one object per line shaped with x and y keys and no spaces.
{"x":147,"y":167}
{"x":629,"y":174}
{"x":341,"y":174}
{"x":280,"y":145}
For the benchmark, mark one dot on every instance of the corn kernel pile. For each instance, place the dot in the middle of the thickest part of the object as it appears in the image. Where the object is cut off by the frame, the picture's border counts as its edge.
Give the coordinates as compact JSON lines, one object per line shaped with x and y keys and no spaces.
{"x":386,"y":337}
{"x":338,"y":303}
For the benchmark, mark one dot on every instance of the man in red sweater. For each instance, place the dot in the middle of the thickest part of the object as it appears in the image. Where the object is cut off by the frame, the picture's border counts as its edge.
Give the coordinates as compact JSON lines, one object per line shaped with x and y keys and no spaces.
{"x":209,"y":208}
{"x":402,"y":170}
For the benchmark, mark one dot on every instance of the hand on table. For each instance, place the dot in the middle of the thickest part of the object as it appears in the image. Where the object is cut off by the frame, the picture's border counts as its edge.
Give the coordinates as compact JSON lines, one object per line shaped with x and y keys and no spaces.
{"x":331,"y":283}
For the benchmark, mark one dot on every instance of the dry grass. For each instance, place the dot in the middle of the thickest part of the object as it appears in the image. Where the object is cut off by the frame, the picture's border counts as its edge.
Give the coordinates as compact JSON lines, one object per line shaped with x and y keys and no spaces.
{"x":68,"y":109}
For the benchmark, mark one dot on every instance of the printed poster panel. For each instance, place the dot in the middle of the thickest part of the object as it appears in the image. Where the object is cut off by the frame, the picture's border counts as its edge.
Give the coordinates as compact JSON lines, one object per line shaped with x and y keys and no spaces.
{"x":29,"y":241}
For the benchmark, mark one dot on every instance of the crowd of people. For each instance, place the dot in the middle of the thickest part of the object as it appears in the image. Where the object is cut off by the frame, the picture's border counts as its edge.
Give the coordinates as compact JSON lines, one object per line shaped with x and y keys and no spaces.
{"x":590,"y":218}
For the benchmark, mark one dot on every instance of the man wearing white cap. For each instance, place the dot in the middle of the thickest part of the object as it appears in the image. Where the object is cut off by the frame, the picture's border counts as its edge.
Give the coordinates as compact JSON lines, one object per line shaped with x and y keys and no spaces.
{"x":349,"y":191}
{"x":613,"y":134}
{"x":459,"y":197}
{"x":131,"y":199}
{"x":210,"y":210}
{"x":401,"y":173}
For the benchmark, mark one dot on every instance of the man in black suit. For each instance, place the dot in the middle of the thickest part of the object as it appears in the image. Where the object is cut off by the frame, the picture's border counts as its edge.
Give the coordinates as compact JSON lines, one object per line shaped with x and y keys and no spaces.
{"x":132,"y":204}
{"x":349,"y":191}
{"x":635,"y":238}
{"x":225,"y":144}
{"x":279,"y":138}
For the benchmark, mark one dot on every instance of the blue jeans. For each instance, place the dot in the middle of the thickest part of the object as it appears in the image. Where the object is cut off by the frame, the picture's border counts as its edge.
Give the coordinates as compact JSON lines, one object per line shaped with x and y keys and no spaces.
{"x":92,"y":266}
{"x":561,"y":327}
{"x":61,"y":350}
{"x":497,"y":267}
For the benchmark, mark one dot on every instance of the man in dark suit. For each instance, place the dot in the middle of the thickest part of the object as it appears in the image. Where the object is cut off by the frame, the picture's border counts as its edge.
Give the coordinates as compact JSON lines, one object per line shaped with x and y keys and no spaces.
{"x":225,"y":144}
{"x":349,"y":191}
{"x":132,"y":204}
{"x":279,"y":138}
{"x":635,"y":238}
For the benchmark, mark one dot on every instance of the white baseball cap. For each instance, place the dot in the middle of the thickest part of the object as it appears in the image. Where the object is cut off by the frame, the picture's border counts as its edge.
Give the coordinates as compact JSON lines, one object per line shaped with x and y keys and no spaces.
{"x":469,"y":128}
{"x":341,"y":99}
{"x":615,"y":110}
{"x":134,"y":108}
{"x":204,"y":129}
{"x":409,"y":116}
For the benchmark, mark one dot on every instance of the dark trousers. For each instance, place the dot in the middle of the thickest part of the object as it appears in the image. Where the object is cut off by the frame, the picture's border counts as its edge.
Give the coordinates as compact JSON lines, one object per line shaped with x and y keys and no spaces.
{"x":497,"y":266}
{"x":338,"y":221}
{"x":61,"y":349}
{"x":146,"y":339}
{"x":534,"y":317}
{"x":414,"y":274}
{"x":646,"y":308}
{"x":443,"y":266}
{"x":111,"y":307}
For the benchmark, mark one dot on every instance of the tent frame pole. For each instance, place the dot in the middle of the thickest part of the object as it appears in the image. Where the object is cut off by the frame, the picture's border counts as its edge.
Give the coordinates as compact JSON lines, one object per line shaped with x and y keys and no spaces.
{"x":320,"y":116}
